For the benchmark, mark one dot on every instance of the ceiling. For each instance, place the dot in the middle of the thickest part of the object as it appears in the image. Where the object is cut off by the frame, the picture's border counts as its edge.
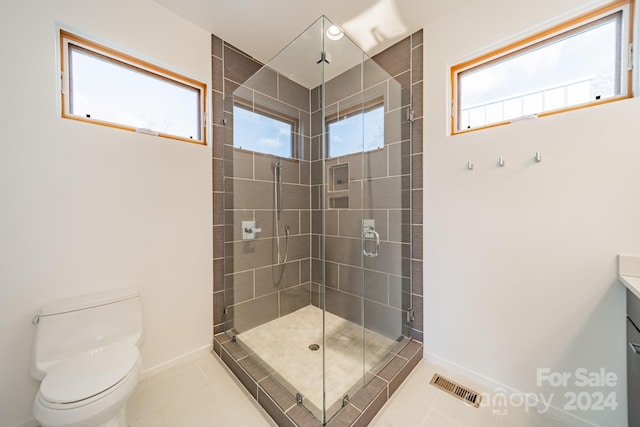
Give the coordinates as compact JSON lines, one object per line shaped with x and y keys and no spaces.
{"x":262,"y":28}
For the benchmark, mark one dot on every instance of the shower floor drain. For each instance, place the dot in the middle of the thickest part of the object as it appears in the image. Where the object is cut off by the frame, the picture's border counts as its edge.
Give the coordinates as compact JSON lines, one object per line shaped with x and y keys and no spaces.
{"x":314,"y":347}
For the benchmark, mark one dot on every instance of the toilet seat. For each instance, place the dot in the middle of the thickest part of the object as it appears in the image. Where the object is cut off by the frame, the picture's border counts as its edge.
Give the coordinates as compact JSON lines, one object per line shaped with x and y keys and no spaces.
{"x":83,"y":378}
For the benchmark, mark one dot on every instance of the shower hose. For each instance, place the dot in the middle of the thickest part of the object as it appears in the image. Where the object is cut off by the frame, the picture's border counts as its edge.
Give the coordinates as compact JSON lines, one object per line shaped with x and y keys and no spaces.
{"x":277,"y":201}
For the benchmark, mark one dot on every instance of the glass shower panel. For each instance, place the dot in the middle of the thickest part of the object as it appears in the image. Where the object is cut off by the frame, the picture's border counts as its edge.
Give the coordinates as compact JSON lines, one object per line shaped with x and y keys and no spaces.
{"x":343,"y":119}
{"x":271,"y":308}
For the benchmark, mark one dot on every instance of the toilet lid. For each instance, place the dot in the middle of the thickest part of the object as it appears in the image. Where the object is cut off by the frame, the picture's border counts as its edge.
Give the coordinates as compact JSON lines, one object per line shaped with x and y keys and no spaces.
{"x":85,"y":375}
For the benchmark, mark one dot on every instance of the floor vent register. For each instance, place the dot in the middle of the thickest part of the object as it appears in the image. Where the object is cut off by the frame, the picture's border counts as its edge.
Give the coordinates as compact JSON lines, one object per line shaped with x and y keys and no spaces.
{"x":463,"y":393}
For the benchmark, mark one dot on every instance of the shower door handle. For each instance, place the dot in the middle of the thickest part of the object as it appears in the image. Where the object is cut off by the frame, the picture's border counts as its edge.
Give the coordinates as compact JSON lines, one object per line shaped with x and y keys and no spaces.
{"x":377,"y":246}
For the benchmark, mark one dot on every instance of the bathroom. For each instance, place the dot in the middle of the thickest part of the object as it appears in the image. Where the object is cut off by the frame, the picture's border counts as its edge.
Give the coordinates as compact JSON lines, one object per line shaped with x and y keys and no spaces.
{"x":519,"y":269}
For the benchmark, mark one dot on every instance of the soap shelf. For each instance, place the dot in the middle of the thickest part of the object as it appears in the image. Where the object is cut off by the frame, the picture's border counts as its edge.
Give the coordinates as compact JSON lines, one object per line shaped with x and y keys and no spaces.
{"x":338,"y":202}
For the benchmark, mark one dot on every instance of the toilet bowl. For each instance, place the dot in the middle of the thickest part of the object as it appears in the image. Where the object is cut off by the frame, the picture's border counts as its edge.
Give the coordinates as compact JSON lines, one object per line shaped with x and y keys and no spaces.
{"x":88,"y":374}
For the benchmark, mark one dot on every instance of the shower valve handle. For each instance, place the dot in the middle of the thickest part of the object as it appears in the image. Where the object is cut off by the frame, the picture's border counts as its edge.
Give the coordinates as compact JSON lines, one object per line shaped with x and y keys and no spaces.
{"x":249,"y":230}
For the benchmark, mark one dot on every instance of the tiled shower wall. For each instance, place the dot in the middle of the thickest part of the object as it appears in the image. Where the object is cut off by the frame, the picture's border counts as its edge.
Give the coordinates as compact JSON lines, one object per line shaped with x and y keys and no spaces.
{"x":255,"y":288}
{"x":387,"y":294}
{"x":384,"y":185}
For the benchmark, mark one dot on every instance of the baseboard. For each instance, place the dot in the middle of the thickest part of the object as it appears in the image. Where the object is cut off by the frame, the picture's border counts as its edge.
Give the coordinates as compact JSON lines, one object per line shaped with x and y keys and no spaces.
{"x":184,"y":358}
{"x":491,"y":384}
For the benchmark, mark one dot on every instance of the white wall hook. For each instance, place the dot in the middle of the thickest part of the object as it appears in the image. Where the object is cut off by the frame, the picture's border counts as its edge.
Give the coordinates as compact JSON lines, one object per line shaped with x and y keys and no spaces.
{"x":500,"y":161}
{"x":538,"y":157}
{"x":469,"y":165}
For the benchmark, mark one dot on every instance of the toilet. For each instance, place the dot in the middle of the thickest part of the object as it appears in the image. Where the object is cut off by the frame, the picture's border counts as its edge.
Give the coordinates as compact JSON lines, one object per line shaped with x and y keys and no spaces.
{"x":85,"y":352}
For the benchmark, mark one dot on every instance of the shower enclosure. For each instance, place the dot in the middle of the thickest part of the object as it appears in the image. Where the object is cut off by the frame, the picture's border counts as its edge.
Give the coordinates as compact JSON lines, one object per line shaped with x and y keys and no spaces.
{"x":317,"y":199}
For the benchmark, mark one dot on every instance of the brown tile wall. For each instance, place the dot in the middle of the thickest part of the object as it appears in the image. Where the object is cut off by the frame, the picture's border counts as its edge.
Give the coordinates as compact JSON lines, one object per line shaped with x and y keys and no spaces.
{"x":416,"y":184}
{"x":388,"y":182}
{"x":250,"y":288}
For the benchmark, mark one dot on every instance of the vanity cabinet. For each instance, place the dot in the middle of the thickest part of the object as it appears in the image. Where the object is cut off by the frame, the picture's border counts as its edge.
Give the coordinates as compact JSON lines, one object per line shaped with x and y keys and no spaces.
{"x":633,"y":358}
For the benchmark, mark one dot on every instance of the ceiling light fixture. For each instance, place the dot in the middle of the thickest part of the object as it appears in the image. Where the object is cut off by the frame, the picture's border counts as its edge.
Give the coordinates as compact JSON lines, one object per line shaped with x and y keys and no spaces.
{"x":334,"y":33}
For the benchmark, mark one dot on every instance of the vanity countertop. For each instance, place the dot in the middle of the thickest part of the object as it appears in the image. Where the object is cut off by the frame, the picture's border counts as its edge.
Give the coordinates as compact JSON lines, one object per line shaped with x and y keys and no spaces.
{"x":632,"y":283}
{"x":629,"y":272}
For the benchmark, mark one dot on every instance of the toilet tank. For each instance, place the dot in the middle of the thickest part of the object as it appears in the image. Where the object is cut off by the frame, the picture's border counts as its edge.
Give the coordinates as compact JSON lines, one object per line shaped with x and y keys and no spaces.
{"x":75,"y":325}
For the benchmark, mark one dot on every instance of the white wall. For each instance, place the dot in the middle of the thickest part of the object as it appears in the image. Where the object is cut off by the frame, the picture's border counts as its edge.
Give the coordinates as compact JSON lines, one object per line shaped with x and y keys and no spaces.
{"x":520,"y":261}
{"x":85,"y":208}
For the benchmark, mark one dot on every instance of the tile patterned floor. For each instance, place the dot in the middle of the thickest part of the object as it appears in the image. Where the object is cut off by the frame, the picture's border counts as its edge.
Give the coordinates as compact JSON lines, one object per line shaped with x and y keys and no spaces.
{"x":419,"y":404}
{"x":203,"y":393}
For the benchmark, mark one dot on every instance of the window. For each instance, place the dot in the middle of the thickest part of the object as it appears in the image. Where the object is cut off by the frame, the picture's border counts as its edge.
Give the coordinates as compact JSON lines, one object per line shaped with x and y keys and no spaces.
{"x":106,"y":87}
{"x":576,"y":64}
{"x":357,"y":132}
{"x":261,"y":132}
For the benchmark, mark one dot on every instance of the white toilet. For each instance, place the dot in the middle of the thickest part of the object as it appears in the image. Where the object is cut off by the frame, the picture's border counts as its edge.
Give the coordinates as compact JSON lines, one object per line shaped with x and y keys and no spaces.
{"x":85,"y":351}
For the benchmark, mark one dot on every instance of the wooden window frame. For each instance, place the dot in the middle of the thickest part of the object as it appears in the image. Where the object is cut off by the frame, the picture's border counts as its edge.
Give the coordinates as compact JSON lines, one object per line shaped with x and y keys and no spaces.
{"x":141,"y":66}
{"x":562,"y":30}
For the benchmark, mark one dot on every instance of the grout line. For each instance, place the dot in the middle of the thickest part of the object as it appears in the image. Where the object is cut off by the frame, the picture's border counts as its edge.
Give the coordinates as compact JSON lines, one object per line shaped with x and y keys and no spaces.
{"x":385,"y":388}
{"x":284,"y":412}
{"x":233,"y":415}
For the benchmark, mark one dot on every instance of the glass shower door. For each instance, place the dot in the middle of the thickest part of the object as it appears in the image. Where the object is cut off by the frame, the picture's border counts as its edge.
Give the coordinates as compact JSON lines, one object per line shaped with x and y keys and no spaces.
{"x":366,"y":219}
{"x":386,"y":207}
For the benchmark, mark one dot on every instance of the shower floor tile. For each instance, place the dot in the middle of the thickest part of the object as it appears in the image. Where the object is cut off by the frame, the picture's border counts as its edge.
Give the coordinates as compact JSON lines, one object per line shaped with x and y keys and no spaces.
{"x":283,"y":345}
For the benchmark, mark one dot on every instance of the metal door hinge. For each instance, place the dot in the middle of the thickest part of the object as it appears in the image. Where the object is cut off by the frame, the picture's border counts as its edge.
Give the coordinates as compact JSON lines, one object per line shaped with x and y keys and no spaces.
{"x":410,"y":114}
{"x":345,"y":400}
{"x":630,"y":58}
{"x":324,"y":57}
{"x":411,"y":315}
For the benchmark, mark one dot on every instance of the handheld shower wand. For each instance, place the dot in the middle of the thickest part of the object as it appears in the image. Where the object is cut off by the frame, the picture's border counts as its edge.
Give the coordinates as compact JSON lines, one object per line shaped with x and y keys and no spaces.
{"x":277,"y":202}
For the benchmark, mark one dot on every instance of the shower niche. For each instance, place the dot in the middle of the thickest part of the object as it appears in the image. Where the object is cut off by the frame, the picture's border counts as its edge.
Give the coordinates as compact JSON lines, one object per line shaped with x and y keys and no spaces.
{"x":339,"y":177}
{"x":337,"y":191}
{"x":314,"y":142}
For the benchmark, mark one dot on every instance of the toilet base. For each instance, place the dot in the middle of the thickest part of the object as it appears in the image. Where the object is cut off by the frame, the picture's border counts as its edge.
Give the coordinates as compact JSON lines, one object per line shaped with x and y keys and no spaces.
{"x":119,"y":420}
